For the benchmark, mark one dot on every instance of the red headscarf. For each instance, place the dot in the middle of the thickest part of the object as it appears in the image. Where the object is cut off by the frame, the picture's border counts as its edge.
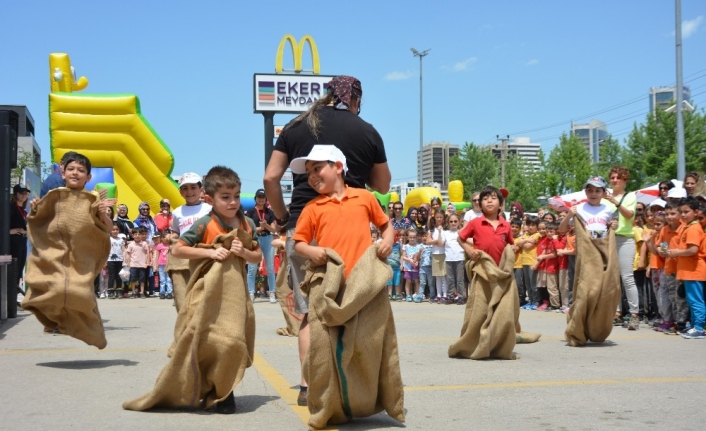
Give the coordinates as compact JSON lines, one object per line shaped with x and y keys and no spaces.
{"x":343,"y":87}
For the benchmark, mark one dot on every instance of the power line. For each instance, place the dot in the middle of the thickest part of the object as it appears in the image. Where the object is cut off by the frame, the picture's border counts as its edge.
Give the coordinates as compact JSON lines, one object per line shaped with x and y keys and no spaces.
{"x":602,"y":111}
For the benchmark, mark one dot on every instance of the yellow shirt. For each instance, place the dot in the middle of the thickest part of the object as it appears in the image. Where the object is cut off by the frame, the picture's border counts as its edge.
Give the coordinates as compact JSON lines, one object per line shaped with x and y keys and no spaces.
{"x":529,"y":257}
{"x":518,"y":257}
{"x":637,"y":231}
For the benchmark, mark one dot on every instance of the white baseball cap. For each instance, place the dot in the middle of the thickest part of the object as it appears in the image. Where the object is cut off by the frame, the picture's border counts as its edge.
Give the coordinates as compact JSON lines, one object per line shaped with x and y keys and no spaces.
{"x":658,"y":203}
{"x":320,"y":153}
{"x":676,"y":193}
{"x":189,"y":178}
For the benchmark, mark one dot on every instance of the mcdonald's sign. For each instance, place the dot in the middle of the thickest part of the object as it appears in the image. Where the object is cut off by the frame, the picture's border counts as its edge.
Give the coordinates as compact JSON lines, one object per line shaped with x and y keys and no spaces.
{"x":290,"y":92}
{"x":298,"y":53}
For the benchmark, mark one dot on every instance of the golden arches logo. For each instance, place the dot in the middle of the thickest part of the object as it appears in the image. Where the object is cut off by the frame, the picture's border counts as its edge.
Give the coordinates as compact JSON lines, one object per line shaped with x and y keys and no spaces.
{"x":298,"y":52}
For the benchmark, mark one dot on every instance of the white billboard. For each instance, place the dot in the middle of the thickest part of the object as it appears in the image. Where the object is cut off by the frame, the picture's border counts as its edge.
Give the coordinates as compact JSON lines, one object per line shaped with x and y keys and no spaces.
{"x":287,"y":93}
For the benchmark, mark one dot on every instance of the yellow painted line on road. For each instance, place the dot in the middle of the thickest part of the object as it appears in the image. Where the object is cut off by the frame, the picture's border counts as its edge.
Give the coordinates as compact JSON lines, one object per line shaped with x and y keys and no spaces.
{"x":281,"y":385}
{"x":557,"y":383}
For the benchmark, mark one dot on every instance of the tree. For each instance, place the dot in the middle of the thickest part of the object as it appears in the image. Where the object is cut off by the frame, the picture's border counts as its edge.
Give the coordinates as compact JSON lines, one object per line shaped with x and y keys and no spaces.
{"x":523,"y":183}
{"x":475,"y":167}
{"x":568,"y":166}
{"x":611,"y":154}
{"x":651,"y":147}
{"x":25,"y":159}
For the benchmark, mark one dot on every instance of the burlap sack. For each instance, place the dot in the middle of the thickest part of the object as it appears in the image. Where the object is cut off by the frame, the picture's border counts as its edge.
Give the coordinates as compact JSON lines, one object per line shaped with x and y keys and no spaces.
{"x":70,"y":246}
{"x":216,"y":335}
{"x":596,"y":288}
{"x":491,"y":323}
{"x":285,"y":296}
{"x":178,"y":270}
{"x":352,"y":366}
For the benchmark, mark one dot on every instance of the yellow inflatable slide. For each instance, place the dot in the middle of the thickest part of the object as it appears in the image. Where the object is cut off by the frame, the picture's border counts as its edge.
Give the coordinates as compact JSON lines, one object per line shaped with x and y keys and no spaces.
{"x":110,"y":130}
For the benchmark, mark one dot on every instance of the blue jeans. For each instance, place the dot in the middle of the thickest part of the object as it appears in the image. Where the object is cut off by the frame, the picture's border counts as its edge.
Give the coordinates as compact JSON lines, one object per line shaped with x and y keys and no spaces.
{"x":268,"y":254}
{"x":165,"y":283}
{"x":695,"y":298}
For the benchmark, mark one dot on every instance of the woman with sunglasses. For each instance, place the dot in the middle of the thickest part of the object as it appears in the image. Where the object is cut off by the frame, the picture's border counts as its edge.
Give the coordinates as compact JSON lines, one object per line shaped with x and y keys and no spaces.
{"x":664,"y":188}
{"x":398,"y":220}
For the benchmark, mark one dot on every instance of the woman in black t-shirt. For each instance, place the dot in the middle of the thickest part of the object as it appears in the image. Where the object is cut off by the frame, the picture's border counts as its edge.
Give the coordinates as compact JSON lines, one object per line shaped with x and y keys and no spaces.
{"x":18,"y":228}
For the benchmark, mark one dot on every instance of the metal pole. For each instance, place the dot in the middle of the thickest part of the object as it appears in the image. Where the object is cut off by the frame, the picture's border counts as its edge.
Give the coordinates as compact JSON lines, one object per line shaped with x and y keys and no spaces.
{"x":421,"y":106}
{"x":269,"y":135}
{"x":681,"y":165}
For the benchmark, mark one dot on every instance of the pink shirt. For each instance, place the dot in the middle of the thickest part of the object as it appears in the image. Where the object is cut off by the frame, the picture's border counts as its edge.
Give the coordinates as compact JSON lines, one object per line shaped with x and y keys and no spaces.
{"x":138,"y":254}
{"x":163,"y":251}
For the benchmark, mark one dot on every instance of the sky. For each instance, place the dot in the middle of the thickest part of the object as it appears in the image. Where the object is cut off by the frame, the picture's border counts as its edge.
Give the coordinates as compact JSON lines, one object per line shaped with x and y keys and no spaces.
{"x":513,"y":68}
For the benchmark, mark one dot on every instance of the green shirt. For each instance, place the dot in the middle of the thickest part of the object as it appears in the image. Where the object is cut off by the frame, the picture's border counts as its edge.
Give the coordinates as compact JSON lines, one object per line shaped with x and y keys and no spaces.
{"x":624,"y":225}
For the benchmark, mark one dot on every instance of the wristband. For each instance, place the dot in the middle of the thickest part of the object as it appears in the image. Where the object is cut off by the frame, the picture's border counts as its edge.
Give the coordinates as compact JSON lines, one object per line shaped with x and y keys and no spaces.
{"x":283,"y":221}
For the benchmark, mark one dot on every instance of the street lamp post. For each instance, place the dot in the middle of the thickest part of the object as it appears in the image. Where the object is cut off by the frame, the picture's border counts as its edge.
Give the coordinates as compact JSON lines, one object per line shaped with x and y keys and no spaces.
{"x":421,"y":55}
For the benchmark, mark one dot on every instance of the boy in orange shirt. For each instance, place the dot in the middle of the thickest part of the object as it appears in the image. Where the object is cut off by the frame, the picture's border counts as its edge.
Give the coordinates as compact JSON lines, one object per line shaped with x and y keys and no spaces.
{"x":691,"y":267}
{"x":339,"y":218}
{"x":668,"y":239}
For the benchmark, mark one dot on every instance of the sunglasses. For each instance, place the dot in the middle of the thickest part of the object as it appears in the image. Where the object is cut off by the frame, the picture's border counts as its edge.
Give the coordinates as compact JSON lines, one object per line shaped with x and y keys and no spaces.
{"x":476,"y":200}
{"x":453,"y":221}
{"x":397,"y":209}
{"x":664,"y":188}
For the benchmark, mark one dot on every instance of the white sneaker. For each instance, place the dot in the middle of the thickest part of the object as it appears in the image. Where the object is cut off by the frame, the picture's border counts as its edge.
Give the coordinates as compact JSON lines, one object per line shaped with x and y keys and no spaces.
{"x":273,"y":300}
{"x":252,"y":297}
{"x":103,"y":295}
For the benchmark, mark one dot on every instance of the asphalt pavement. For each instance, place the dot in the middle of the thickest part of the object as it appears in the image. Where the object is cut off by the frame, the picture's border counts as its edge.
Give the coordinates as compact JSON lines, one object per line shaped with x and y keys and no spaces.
{"x":635,"y":380}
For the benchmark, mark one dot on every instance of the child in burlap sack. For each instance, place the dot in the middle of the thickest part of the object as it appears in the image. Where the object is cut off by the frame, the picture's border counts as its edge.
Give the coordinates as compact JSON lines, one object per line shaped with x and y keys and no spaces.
{"x":597,"y":289}
{"x":68,"y":229}
{"x":215,"y":327}
{"x":491,"y":326}
{"x":339,"y":221}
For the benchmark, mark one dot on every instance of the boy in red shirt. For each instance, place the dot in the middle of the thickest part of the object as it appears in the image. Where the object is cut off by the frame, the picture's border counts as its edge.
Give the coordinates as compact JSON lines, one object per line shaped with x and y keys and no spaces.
{"x":488,"y":233}
{"x":691,"y":267}
{"x":559,"y":241}
{"x":546,"y":267}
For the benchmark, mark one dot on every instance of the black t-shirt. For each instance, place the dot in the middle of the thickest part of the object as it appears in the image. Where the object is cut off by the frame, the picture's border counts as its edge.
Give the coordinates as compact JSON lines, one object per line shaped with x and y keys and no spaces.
{"x":256,"y":215}
{"x":358,"y":140}
{"x":18,"y":220}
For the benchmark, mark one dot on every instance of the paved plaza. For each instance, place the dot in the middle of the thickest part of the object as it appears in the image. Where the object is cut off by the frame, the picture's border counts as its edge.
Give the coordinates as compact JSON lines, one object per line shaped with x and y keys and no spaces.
{"x":635,"y":380}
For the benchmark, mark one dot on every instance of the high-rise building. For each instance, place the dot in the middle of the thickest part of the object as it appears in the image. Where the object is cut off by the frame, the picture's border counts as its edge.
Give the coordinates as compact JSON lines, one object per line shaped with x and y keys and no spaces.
{"x":520,"y":146}
{"x":593,"y":134}
{"x":664,"y":97}
{"x":25,"y":135}
{"x":433,"y":163}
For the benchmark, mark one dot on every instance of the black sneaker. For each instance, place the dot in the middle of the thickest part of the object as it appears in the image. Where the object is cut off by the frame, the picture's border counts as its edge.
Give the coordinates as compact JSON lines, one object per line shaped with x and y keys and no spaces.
{"x":161,"y":296}
{"x":227,"y":406}
{"x":169,"y":296}
{"x":301,"y":399}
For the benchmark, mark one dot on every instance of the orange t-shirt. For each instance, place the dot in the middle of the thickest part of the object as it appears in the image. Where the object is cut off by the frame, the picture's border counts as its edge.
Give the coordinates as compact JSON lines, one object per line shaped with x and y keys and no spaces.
{"x":671,"y":237}
{"x":691,"y":268}
{"x":343,"y":226}
{"x":657,"y":261}
{"x":570,"y":241}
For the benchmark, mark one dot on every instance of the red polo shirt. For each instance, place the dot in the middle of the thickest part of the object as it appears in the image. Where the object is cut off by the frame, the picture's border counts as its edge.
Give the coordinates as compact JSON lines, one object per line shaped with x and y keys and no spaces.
{"x":487,"y":238}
